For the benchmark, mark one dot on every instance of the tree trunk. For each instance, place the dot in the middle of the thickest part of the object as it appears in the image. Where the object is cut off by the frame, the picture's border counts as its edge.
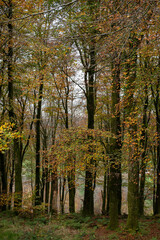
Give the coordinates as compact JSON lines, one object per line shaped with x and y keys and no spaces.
{"x":108,"y":193}
{"x":54,"y":178}
{"x":133,"y":176}
{"x":71,"y":186}
{"x":45,"y":172}
{"x":154,"y":179}
{"x":88,"y":207}
{"x":144,"y":147}
{"x":157,"y":108}
{"x":3,"y":193}
{"x":38,"y":121}
{"x":54,"y":193}
{"x":133,"y":164}
{"x":88,"y":59}
{"x":17,"y":155}
{"x":157,"y":207}
{"x":71,"y":161}
{"x":18,"y":175}
{"x":115,"y":162}
{"x":104,"y":195}
{"x":62,"y":193}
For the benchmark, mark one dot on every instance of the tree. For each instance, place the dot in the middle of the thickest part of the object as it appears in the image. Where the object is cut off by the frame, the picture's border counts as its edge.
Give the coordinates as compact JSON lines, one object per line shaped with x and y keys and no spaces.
{"x":115,"y":162}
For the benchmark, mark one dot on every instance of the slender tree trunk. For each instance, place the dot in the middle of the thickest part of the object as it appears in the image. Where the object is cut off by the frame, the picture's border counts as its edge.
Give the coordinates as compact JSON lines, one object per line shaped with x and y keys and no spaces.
{"x":43,"y":184}
{"x":38,"y":121}
{"x":62,"y":193}
{"x":108,"y":193}
{"x":3,"y":193}
{"x":154,"y":179}
{"x":3,"y":176}
{"x":47,"y":187}
{"x":88,"y":207}
{"x":46,"y":171}
{"x":104,"y":195}
{"x":12,"y":177}
{"x":12,"y":170}
{"x":18,"y":174}
{"x":54,"y":178}
{"x":44,"y":168}
{"x":70,"y":173}
{"x":71,"y":186}
{"x":10,"y":62}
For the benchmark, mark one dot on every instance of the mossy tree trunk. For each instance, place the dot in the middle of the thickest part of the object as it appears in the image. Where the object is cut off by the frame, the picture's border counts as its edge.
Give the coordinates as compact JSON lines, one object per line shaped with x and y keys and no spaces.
{"x":133,"y":161}
{"x":12,"y":117}
{"x":156,"y":98}
{"x":3,"y":159}
{"x":144,"y":140}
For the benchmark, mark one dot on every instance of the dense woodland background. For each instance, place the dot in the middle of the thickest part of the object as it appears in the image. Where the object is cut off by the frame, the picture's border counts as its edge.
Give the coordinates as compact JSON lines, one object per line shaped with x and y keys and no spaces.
{"x":80,"y":105}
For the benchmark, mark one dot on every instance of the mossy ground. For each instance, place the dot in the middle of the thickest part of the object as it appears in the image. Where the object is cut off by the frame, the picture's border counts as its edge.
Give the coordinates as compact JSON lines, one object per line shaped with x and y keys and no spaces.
{"x":75,"y":227}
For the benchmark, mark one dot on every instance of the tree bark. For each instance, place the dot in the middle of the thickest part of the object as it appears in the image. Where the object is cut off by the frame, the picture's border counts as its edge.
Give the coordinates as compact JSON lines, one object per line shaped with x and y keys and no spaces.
{"x":104,"y":194}
{"x":54,"y":194}
{"x":133,"y":164}
{"x":54,"y":178}
{"x":144,"y":140}
{"x":62,"y":186}
{"x":38,"y":146}
{"x":115,"y":162}
{"x":71,"y":186}
{"x":18,"y":175}
{"x":17,"y":156}
{"x":157,"y":108}
{"x":3,"y":193}
{"x":88,"y":207}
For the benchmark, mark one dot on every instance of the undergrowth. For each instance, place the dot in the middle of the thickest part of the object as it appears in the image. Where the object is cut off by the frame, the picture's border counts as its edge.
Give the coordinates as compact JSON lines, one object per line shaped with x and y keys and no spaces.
{"x":64,"y":227}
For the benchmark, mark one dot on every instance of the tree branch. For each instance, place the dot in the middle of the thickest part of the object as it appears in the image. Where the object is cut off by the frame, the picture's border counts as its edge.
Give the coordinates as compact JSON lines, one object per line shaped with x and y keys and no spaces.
{"x":40,"y":13}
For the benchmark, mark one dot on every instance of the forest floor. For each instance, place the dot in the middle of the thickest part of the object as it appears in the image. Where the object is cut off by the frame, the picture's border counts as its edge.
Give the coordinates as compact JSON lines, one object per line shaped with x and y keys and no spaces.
{"x":25,"y":226}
